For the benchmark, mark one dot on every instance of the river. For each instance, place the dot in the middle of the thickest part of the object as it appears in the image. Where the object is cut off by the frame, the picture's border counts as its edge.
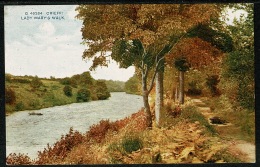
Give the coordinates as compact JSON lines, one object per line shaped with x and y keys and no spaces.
{"x":30,"y":133}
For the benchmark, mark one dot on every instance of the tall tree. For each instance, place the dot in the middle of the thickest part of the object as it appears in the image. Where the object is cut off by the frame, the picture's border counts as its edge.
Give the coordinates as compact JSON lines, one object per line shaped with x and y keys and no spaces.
{"x":150,"y":30}
{"x":203,"y":46}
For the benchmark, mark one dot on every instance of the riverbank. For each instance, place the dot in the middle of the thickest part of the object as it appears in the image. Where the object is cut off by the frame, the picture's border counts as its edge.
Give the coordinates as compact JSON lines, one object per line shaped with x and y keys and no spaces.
{"x":187,"y":138}
{"x":33,"y":93}
{"x":56,"y":121}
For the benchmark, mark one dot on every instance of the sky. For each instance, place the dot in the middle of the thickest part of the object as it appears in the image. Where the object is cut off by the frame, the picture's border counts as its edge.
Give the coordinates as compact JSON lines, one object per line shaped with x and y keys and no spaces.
{"x":50,"y":46}
{"x":45,"y":41}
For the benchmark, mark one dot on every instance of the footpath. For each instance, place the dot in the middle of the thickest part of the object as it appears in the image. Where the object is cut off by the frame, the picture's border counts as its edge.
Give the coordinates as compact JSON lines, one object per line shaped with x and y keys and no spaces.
{"x":239,"y":148}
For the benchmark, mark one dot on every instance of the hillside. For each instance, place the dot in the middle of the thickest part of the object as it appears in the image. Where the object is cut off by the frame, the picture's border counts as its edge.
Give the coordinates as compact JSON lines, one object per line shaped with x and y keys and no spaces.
{"x":32,"y":93}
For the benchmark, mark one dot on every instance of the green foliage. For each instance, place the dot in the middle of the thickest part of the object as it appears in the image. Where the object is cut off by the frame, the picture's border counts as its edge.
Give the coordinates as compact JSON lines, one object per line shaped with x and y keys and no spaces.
{"x":65,"y":81}
{"x":115,"y":86}
{"x":36,"y":83}
{"x":132,"y":85}
{"x":212,"y":82}
{"x":34,"y":103}
{"x":189,"y":113}
{"x":130,"y":144}
{"x":67,"y":91}
{"x":86,"y":79}
{"x":127,"y":53}
{"x":8,"y":77}
{"x":10,"y":96}
{"x":220,"y":40}
{"x":83,"y":95}
{"x":246,"y":95}
{"x":19,"y":106}
{"x":239,"y":64}
{"x":181,"y":64}
{"x":102,"y":91}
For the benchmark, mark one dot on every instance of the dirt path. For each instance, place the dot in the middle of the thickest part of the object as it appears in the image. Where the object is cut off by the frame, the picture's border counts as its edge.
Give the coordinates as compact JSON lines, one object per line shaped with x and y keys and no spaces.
{"x":239,"y":148}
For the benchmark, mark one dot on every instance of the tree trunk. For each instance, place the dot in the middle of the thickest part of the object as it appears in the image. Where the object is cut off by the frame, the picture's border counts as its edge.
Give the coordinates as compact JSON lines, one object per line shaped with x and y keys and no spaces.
{"x":159,"y":96}
{"x":181,"y":87}
{"x":176,"y":95}
{"x":146,"y":101}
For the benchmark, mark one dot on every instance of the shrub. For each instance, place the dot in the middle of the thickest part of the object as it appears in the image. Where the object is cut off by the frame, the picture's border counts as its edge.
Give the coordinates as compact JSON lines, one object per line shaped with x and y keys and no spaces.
{"x":194,"y":88}
{"x":98,"y":132}
{"x":61,"y":148}
{"x":83,"y":95}
{"x":212,"y":82}
{"x":67,"y":91}
{"x":130,"y":144}
{"x":102,"y":91}
{"x":18,"y":159}
{"x":19,"y":106}
{"x":10,"y":96}
{"x":36,"y":82}
{"x":21,"y":80}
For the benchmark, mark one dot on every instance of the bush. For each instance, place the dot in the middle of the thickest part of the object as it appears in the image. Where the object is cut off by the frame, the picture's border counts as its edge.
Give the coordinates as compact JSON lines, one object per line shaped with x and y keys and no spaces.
{"x":67,"y":91}
{"x":102,"y":91}
{"x":20,"y":80}
{"x":18,"y":159}
{"x":130,"y":144}
{"x":194,"y":88}
{"x":83,"y":95}
{"x":19,"y":106}
{"x":99,"y":131}
{"x":61,"y":148}
{"x":10,"y":96}
{"x":212,"y":82}
{"x":36,"y":83}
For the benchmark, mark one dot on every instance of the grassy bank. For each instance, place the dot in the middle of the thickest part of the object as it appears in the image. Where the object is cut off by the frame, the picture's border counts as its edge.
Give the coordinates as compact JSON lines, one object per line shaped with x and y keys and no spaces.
{"x":33,"y":93}
{"x":48,"y":95}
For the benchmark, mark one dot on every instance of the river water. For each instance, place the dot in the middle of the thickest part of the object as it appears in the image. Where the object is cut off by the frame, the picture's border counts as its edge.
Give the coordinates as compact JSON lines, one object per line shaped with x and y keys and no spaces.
{"x":30,"y":133}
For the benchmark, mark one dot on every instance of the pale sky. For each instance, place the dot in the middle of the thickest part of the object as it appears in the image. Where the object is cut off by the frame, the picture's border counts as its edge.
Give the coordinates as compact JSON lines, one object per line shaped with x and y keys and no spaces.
{"x":49,"y":47}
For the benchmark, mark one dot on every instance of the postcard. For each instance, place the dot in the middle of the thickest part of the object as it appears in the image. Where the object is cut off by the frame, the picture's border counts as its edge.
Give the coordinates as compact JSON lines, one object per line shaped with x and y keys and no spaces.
{"x":129,"y":84}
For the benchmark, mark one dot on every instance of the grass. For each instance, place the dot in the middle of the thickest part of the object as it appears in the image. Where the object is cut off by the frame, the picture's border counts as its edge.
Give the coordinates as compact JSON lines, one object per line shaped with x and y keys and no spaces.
{"x":243,"y":120}
{"x":48,"y":95}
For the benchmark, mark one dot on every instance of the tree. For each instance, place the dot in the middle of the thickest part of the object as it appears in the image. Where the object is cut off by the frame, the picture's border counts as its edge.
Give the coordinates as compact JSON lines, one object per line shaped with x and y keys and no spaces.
{"x":102,"y":90}
{"x":146,"y":33}
{"x":67,"y":90}
{"x":203,"y":46}
{"x":239,"y":64}
{"x":133,"y":85}
{"x":83,"y":95}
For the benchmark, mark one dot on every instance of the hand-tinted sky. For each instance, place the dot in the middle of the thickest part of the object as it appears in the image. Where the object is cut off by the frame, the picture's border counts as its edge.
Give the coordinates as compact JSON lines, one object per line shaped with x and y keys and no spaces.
{"x":49,"y":47}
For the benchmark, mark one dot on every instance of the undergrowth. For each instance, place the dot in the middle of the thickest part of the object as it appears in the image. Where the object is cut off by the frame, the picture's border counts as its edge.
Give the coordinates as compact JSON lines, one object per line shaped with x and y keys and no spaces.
{"x":187,"y":113}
